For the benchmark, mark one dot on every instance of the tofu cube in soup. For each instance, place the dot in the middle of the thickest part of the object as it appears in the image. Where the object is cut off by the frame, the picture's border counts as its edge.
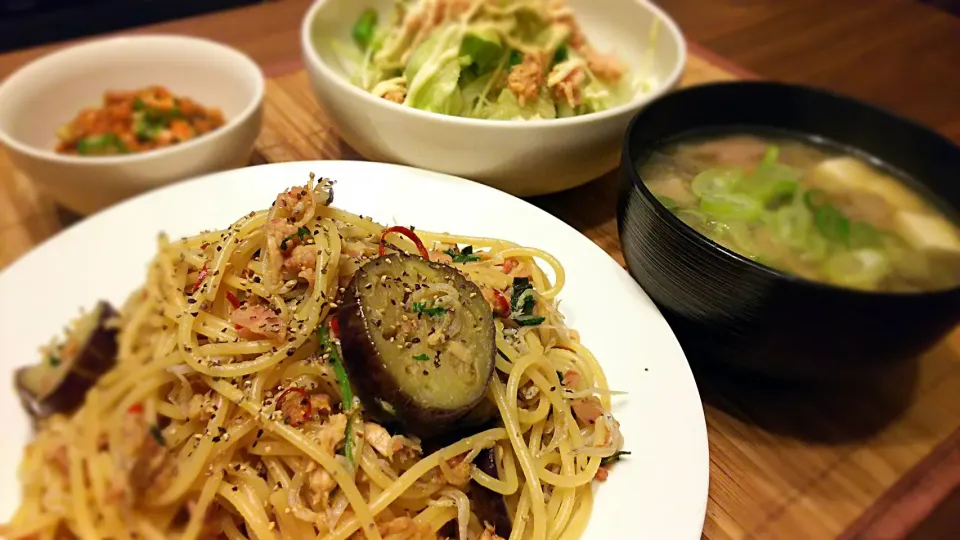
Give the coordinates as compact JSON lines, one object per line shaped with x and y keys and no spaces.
{"x":928,"y":233}
{"x":847,"y":173}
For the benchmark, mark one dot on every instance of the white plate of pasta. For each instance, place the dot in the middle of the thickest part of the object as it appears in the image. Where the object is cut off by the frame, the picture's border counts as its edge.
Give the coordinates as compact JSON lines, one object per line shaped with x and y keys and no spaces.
{"x":295,"y":356}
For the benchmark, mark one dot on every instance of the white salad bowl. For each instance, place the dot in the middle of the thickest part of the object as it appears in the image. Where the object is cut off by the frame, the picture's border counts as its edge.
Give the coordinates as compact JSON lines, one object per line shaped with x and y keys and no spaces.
{"x":49,"y":92}
{"x":525,"y":158}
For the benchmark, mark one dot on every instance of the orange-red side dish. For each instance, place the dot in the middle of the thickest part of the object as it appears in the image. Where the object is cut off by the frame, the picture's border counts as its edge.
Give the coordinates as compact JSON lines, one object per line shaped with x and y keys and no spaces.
{"x":136,"y":121}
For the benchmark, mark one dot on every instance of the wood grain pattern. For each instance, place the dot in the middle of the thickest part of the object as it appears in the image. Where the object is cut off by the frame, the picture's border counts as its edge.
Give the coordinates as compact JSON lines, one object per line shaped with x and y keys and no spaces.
{"x":786,"y":461}
{"x":923,"y":504}
{"x":900,"y":54}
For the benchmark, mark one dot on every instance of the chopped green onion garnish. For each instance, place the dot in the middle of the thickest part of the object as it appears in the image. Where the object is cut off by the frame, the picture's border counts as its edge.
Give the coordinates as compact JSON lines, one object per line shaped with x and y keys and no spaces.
{"x":713,"y":181}
{"x":726,"y":206}
{"x":54,"y":360}
{"x":421,"y":357}
{"x":340,"y":373}
{"x":346,"y":393}
{"x":832,"y":224}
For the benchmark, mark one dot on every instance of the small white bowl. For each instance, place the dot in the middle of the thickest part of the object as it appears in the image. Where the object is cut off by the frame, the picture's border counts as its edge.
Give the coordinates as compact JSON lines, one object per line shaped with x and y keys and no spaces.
{"x":523,"y":158}
{"x":49,"y":92}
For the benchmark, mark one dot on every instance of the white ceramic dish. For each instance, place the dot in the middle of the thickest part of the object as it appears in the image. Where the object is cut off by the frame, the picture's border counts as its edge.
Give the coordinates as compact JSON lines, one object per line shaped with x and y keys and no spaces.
{"x":523,"y":158}
{"x":662,"y":487}
{"x":49,"y":92}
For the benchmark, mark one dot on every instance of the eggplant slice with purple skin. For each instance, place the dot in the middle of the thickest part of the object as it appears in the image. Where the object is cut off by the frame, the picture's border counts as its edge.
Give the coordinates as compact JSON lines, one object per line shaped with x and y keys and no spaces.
{"x":418,"y":343}
{"x":60,"y":382}
{"x":488,"y":505}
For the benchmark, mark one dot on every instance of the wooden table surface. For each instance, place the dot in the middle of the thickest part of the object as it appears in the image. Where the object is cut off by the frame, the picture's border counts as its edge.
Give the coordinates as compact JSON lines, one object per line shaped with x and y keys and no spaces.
{"x":873,"y":462}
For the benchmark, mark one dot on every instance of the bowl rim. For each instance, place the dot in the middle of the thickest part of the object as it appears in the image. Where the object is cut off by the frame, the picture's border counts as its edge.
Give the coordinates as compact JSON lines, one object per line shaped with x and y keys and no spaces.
{"x":313,"y":58}
{"x":630,"y":155}
{"x":50,"y":155}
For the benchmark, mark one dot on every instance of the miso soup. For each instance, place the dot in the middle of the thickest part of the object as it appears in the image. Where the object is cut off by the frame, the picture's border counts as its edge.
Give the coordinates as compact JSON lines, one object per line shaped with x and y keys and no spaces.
{"x":807,"y":210}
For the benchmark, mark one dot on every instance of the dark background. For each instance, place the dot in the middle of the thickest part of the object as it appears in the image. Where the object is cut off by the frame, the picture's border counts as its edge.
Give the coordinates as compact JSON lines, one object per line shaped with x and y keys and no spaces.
{"x":24,"y":23}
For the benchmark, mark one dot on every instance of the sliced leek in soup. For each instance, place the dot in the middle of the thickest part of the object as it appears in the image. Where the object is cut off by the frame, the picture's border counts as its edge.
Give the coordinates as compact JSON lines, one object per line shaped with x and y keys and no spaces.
{"x":807,"y":210}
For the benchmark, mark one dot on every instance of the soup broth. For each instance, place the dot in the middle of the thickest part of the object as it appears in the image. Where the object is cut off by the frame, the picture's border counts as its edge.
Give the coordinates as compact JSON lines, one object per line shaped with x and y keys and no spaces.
{"x":807,"y":210}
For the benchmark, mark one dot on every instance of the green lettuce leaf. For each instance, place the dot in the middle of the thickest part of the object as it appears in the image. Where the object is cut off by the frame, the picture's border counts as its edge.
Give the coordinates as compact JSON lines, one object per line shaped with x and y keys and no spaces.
{"x":436,"y":89}
{"x":507,"y":107}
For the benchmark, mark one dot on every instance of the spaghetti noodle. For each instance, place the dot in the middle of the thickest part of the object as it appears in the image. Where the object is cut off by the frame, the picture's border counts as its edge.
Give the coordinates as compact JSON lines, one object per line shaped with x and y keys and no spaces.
{"x":227,"y":414}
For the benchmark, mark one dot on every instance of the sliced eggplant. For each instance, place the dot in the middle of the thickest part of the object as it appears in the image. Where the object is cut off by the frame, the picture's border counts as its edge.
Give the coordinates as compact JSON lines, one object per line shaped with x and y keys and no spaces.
{"x":418,"y":342}
{"x":489,"y":506}
{"x":479,"y":417}
{"x":60,"y":382}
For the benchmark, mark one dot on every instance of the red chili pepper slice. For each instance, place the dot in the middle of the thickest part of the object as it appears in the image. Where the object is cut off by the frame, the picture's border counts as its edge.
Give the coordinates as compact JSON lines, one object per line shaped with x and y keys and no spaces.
{"x":503,"y":307}
{"x":335,"y":327}
{"x":200,"y":277}
{"x":409,"y":234}
{"x":136,"y":408}
{"x":304,"y":402}
{"x":232,"y":298}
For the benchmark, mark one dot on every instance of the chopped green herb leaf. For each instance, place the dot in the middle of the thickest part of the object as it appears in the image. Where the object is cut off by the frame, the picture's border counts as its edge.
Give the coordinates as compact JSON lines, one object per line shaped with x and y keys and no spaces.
{"x":54,"y":360}
{"x":421,"y":307}
{"x":157,"y":435}
{"x":520,"y":302}
{"x":302,"y":233}
{"x":464,"y":256}
{"x":561,"y":55}
{"x":613,"y":458}
{"x":138,"y":104}
{"x":516,"y":57}
{"x":364,"y":28}
{"x":421,"y":357}
{"x":529,"y":320}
